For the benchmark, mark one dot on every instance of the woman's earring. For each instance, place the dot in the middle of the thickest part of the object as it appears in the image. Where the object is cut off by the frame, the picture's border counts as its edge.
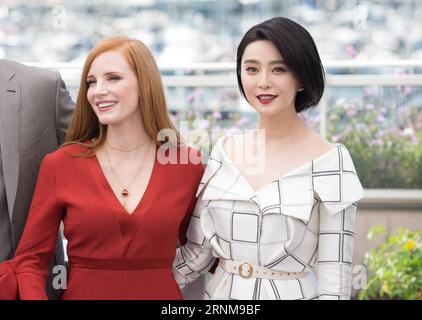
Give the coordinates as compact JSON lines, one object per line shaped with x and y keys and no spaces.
{"x":300,"y":90}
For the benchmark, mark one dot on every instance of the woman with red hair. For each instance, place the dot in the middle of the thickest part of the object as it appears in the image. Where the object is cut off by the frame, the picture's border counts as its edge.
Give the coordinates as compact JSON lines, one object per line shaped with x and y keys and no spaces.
{"x":122,"y":208}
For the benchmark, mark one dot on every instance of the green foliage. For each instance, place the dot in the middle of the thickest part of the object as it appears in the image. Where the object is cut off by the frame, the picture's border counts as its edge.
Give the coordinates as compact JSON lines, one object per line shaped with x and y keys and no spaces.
{"x":395,"y":266}
{"x":384,"y":141}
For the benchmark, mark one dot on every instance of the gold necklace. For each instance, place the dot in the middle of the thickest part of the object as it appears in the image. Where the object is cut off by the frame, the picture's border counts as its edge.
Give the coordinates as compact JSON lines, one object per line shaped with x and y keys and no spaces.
{"x":125,"y":190}
{"x":126,"y":150}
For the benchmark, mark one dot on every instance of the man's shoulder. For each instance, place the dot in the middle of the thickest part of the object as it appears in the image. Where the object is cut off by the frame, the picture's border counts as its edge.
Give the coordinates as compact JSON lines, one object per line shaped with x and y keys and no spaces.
{"x":27,"y":70}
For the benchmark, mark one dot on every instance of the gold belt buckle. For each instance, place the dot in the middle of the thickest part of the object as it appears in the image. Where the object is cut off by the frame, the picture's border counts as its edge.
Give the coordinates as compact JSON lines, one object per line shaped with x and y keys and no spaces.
{"x":249,"y":271}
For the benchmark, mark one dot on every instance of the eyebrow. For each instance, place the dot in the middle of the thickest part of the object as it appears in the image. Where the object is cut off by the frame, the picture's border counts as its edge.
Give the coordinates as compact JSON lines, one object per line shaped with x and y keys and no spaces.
{"x":106,"y":74}
{"x":271,"y":62}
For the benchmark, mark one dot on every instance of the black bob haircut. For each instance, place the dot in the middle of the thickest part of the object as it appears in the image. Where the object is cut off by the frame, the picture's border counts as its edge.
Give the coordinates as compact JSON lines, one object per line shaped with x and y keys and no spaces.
{"x":299,"y":53}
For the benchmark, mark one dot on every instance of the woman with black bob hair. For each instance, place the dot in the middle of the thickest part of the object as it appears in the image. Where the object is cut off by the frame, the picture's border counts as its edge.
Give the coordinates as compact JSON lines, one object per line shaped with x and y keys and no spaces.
{"x":299,"y":53}
{"x":276,"y":205}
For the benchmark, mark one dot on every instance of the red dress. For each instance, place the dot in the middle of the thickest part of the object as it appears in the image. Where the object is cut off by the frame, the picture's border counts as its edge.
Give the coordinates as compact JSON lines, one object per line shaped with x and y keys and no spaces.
{"x":112,"y":254}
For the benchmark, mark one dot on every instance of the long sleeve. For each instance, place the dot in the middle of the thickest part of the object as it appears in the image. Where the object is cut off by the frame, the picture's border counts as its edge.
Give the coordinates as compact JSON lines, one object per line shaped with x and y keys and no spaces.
{"x":64,"y":109}
{"x":25,"y":275}
{"x":335,"y":253}
{"x":8,"y":282}
{"x":194,"y":258}
{"x":338,"y":188}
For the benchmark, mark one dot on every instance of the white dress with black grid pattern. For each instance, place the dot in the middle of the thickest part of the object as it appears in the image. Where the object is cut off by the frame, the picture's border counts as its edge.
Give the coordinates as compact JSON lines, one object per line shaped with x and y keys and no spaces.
{"x":302,"y":222}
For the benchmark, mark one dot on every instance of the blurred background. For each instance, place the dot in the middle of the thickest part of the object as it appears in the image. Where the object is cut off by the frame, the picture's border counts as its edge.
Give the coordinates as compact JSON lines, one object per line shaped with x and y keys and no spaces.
{"x":372,"y":54}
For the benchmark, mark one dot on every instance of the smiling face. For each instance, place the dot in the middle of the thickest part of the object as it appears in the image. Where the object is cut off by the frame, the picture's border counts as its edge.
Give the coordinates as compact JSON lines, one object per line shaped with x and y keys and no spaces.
{"x":269,"y":85}
{"x":113,"y":89}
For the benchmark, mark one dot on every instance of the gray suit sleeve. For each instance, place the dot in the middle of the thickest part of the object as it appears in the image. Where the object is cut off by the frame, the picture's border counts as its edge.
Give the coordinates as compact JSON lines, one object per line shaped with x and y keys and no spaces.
{"x":64,"y":109}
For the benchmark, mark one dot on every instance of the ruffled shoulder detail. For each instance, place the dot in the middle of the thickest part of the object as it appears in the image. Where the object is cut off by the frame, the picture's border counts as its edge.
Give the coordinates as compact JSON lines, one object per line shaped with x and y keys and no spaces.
{"x":330,"y":179}
{"x":8,"y":282}
{"x":335,"y":180}
{"x":213,"y":165}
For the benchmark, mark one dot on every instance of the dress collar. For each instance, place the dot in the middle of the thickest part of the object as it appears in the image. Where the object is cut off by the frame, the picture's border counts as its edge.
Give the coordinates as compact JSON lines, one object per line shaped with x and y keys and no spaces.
{"x":292,"y":194}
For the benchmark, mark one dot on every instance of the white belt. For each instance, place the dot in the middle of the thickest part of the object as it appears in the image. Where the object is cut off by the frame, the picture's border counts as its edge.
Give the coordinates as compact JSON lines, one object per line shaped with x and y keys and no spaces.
{"x":247,"y":270}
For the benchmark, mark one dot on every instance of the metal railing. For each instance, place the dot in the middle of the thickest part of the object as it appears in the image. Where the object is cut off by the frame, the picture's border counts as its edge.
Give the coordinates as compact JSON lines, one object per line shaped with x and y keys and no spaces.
{"x":199,"y":78}
{"x":339,"y":74}
{"x":223,"y":75}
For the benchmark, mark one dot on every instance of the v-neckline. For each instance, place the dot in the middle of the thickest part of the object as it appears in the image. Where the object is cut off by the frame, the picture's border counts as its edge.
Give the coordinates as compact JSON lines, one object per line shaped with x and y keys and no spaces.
{"x":286,"y":174}
{"x":109,"y":189}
